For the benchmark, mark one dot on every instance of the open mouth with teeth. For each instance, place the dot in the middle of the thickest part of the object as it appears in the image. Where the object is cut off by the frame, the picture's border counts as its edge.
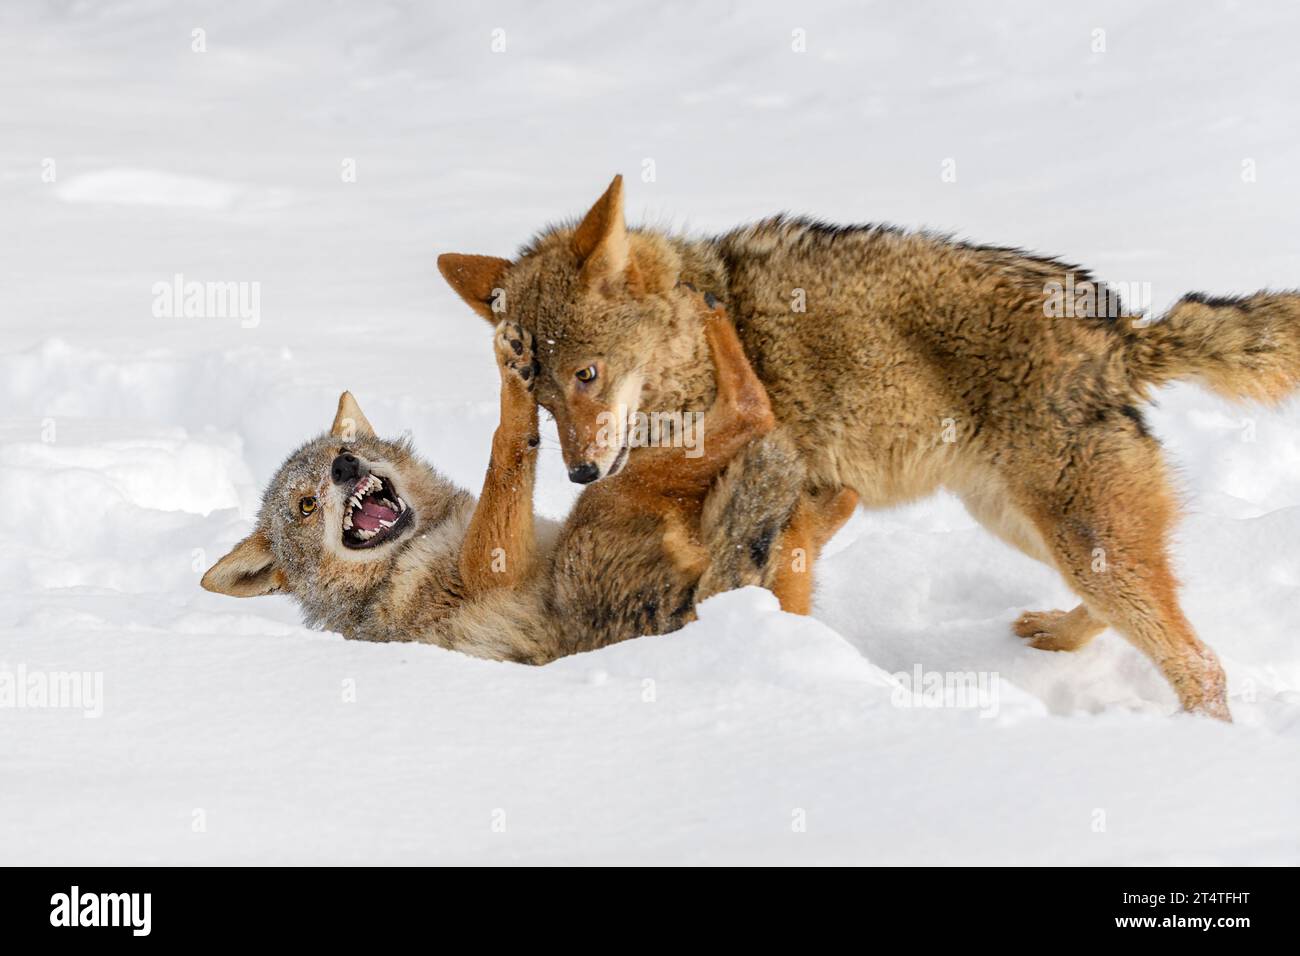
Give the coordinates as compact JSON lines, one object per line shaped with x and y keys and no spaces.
{"x":373,"y":513}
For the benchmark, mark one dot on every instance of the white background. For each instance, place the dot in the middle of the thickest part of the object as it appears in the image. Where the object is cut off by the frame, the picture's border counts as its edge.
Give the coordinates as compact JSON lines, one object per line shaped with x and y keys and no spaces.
{"x":226,"y":166}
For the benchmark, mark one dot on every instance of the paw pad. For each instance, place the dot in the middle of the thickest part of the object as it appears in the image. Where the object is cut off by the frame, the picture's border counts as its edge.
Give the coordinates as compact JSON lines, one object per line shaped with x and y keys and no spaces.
{"x":514,"y":349}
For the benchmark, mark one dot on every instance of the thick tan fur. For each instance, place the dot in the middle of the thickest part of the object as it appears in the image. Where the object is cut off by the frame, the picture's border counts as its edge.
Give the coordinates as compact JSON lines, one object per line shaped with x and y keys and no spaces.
{"x":633,"y":558}
{"x":898,"y":363}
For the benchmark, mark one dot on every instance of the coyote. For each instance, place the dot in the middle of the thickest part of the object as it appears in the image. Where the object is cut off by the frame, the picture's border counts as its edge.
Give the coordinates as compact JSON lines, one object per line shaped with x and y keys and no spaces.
{"x":900,"y":362}
{"x":375,"y":544}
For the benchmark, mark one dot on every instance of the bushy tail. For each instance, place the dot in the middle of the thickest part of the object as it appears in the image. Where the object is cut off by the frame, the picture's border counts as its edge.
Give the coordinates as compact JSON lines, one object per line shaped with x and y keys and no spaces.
{"x":1241,"y":348}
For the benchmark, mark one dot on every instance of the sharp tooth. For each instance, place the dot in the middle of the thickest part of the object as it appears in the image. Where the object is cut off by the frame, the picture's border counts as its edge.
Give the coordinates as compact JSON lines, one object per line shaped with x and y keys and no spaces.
{"x":347,"y":520}
{"x":386,"y":524}
{"x":401,"y":504}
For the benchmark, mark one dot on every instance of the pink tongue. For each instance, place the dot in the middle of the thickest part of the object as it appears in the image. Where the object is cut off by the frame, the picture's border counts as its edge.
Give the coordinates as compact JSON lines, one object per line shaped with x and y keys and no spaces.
{"x":367,"y":518}
{"x":364,"y":521}
{"x":376,"y":510}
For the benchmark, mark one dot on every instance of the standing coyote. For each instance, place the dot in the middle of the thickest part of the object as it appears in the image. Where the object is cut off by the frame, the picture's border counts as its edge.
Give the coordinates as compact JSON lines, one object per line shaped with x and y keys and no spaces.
{"x":898,"y":363}
{"x":373,"y":543}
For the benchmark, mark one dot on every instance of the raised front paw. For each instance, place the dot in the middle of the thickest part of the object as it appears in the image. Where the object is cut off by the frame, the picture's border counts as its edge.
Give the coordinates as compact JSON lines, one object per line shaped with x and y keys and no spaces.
{"x":514,"y":350}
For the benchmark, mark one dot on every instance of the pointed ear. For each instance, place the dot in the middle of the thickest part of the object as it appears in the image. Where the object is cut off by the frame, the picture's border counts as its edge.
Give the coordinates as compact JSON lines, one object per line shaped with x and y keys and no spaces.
{"x":475,"y":279}
{"x":348,"y":420}
{"x":247,"y":571}
{"x":600,"y":241}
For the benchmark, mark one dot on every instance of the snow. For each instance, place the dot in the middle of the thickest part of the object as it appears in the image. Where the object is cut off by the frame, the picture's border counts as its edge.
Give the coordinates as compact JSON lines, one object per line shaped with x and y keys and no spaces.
{"x":135,"y":446}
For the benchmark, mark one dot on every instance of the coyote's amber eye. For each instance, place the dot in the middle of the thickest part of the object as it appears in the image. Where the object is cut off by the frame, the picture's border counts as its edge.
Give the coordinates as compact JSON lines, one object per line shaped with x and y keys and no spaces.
{"x":587,"y":374}
{"x":307,"y":505}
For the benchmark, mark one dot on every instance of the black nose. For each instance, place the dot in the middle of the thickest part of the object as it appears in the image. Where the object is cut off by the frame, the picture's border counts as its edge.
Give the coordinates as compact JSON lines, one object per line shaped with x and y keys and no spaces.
{"x":345,"y":468}
{"x":585,"y":473}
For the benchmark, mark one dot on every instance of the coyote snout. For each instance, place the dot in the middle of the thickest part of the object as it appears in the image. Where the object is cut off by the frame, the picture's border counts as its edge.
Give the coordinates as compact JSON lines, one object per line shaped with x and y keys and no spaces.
{"x":374,"y":512}
{"x":346,"y":467}
{"x":596,"y":437}
{"x":585,"y":473}
{"x":338,"y":508}
{"x":911,"y":332}
{"x":603,"y":457}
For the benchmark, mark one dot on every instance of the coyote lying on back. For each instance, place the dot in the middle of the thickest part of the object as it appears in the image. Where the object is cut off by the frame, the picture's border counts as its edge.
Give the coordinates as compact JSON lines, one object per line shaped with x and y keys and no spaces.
{"x":915,"y":362}
{"x":375,"y":544}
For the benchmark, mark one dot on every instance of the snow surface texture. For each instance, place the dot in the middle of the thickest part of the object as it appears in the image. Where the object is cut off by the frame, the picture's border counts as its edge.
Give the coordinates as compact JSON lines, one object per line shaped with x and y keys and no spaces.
{"x":135,"y":446}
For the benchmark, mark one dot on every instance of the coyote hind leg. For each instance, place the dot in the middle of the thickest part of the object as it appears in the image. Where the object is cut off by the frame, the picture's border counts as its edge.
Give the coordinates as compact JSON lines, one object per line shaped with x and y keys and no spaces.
{"x":746,"y":514}
{"x":741,"y":414}
{"x":816,"y":519}
{"x":1045,"y":630}
{"x":1106,"y":520}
